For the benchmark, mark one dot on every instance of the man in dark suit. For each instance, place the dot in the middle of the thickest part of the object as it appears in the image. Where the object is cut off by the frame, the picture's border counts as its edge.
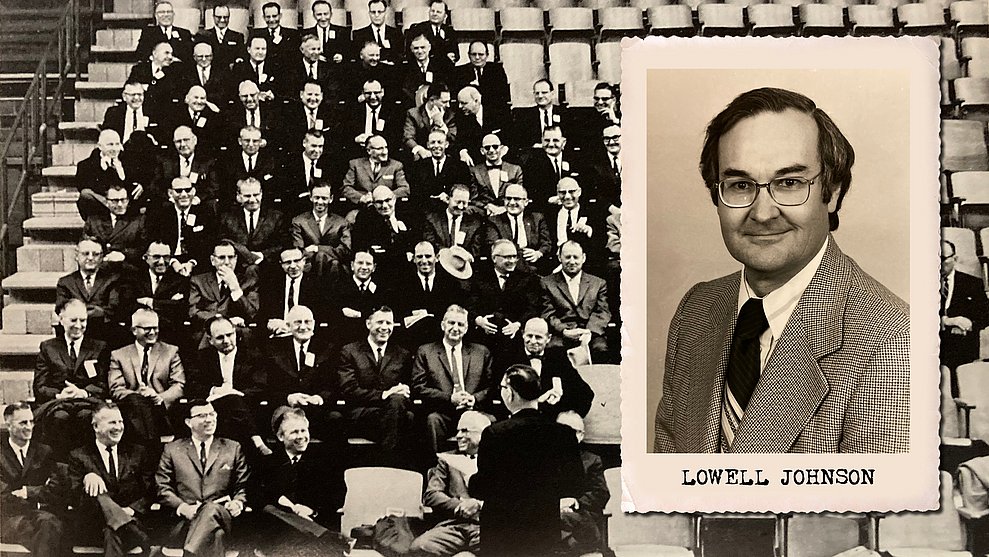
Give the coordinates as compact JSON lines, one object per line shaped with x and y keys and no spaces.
{"x":131,"y":116}
{"x":580,"y":519}
{"x":441,"y":35}
{"x":562,"y":387}
{"x":576,"y":304}
{"x":475,"y":120}
{"x":354,"y":296}
{"x":146,"y":379}
{"x":374,"y":379}
{"x":228,"y":45}
{"x":502,"y":298}
{"x":306,"y":128}
{"x":250,"y":111}
{"x":233,"y":380}
{"x":432,"y":178}
{"x":101,"y":169}
{"x":283,"y":42}
{"x":381,"y":231}
{"x":369,"y":66}
{"x":546,"y":167}
{"x":366,"y":174}
{"x":203,"y":479}
{"x":200,"y":117}
{"x":186,"y":161}
{"x":186,"y":229}
{"x":165,"y":79}
{"x":606,"y":169}
{"x":161,"y":31}
{"x":70,"y":378}
{"x":488,"y":77}
{"x":300,"y":374}
{"x":422,"y":68}
{"x":111,"y":486}
{"x":575,"y":221}
{"x":527,"y":468}
{"x":288,"y":287}
{"x":302,"y":487}
{"x":371,"y":116}
{"x":450,"y":376}
{"x":121,"y":233}
{"x":388,"y":38}
{"x":334,"y":39}
{"x":103,"y":292}
{"x":260,"y":68}
{"x":159,"y":287}
{"x":434,"y":114}
{"x":491,"y":176}
{"x":529,"y":123}
{"x":323,"y":237}
{"x":526,"y":229}
{"x":456,"y":226}
{"x":223,"y":292}
{"x":26,"y":486}
{"x":964,"y":313}
{"x":258,"y":233}
{"x":427,"y":290}
{"x":311,"y":67}
{"x":250,"y":160}
{"x":446,"y":494}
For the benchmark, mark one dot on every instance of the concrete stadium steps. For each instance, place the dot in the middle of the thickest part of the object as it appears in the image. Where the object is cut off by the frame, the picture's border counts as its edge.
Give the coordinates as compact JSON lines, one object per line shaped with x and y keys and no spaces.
{"x":115,"y":40}
{"x":87,"y":109}
{"x":84,"y":131}
{"x":56,"y":203}
{"x":28,"y":318}
{"x":15,"y":385}
{"x":109,"y":71}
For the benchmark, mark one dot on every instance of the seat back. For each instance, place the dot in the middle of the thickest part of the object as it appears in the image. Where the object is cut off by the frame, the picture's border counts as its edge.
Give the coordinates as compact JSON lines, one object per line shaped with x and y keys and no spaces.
{"x":603,"y":423}
{"x":940,"y":529}
{"x":620,"y":21}
{"x":720,"y":18}
{"x":963,"y":145}
{"x":964,"y":241}
{"x":672,"y":19}
{"x":240,"y":20}
{"x":188,"y":18}
{"x":374,"y":492}
{"x":414,"y":14}
{"x":821,"y":535}
{"x":973,"y":493}
{"x":821,"y":16}
{"x":973,"y":388}
{"x":660,"y":529}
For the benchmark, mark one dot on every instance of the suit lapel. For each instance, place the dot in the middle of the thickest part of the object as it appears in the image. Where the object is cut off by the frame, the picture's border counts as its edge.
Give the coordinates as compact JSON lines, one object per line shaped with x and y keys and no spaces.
{"x":214,"y":452}
{"x":153,"y":356}
{"x":135,"y":369}
{"x":193,"y":453}
{"x":585,"y":284}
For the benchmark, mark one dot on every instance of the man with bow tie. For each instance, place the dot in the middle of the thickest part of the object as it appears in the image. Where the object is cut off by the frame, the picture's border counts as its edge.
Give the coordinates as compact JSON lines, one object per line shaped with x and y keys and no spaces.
{"x":70,"y":379}
{"x":104,"y":167}
{"x":112,"y":485}
{"x":102,"y":291}
{"x":492,"y":175}
{"x":162,"y":30}
{"x":28,"y":496}
{"x":146,"y":379}
{"x":227,"y":44}
{"x":446,"y":493}
{"x":121,"y":233}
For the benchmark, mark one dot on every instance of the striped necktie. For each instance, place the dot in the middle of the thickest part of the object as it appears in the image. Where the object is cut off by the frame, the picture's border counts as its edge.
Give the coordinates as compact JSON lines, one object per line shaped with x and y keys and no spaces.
{"x":743,"y":365}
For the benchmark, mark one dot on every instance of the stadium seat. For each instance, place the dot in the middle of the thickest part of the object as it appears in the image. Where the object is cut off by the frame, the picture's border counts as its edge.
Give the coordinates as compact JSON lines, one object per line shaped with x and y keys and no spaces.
{"x":578,"y":94}
{"x":791,"y":3}
{"x":305,"y":6}
{"x":940,"y":530}
{"x":974,"y":48}
{"x":821,"y":19}
{"x":869,"y":19}
{"x":571,"y":22}
{"x":547,"y":5}
{"x":963,"y":146}
{"x":189,"y":18}
{"x":672,"y":20}
{"x":620,"y":22}
{"x":373,"y":492}
{"x":522,"y":51}
{"x":948,"y":429}
{"x":817,"y":535}
{"x":646,"y":4}
{"x":474,"y":23}
{"x":521,"y":21}
{"x":609,"y":58}
{"x":964,"y":241}
{"x":970,"y":198}
{"x":603,"y":422}
{"x":744,"y":3}
{"x":972,"y":97}
{"x":694,"y":4}
{"x":891,"y":4}
{"x":413,"y":14}
{"x":720,"y":19}
{"x":239,"y":19}
{"x":571,"y":33}
{"x":498,"y":5}
{"x":977,"y":68}
{"x":601,"y":4}
{"x":921,"y":18}
{"x":463,"y":5}
{"x":396,"y":6}
{"x":652,"y":534}
{"x":950,"y":68}
{"x":771,"y":19}
{"x":968,"y":16}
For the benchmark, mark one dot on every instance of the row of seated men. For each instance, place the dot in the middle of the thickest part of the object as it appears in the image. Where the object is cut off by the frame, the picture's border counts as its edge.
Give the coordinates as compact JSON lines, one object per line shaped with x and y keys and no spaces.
{"x":104,"y":493}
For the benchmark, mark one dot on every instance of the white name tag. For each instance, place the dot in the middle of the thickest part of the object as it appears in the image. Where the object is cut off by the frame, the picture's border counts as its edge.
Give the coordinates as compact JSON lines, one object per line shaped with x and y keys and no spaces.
{"x":175,"y":34}
{"x":429,"y":77}
{"x":381,"y":125}
{"x":90,"y":366}
{"x":278,"y":39}
{"x":504,"y":176}
{"x":142,"y":122}
{"x":461,"y":238}
{"x":388,"y":177}
{"x":386,"y":43}
{"x":200,"y":122}
{"x":565,"y":166}
{"x":197,"y":228}
{"x":319,"y":123}
{"x":475,"y":83}
{"x":232,"y":43}
{"x":333,"y":34}
{"x":556,"y":118}
{"x":190,"y":219}
{"x":310,"y":359}
{"x":317,"y":173}
{"x":193,"y":177}
{"x":582,"y":221}
{"x":263,"y":77}
{"x":159,"y":74}
{"x":267,"y":176}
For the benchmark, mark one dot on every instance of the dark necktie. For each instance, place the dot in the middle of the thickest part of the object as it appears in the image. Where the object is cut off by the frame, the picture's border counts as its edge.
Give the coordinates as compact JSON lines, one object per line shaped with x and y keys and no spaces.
{"x":312,"y":171}
{"x":944,"y":293}
{"x":291,"y":294}
{"x":257,"y":72}
{"x":569,"y":221}
{"x":556,"y":168}
{"x":144,"y":365}
{"x":546,"y":120}
{"x":23,"y":456}
{"x":302,"y":357}
{"x":614,"y":166}
{"x":515,"y":229}
{"x":381,"y":356}
{"x":374,"y":120}
{"x":202,"y":455}
{"x":250,"y":223}
{"x":178,"y":244}
{"x":477,"y":73}
{"x":743,"y":363}
{"x":134,"y":121}
{"x":251,"y":121}
{"x":73,"y":356}
{"x":112,"y":465}
{"x":436,"y":167}
{"x":89,"y":283}
{"x":455,"y":371}
{"x":377,"y":37}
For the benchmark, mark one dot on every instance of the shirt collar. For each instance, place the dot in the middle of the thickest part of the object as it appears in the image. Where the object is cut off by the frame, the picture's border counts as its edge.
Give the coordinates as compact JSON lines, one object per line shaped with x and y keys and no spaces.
{"x":780,"y":303}
{"x":69,"y":341}
{"x":576,"y":278}
{"x":102,"y":448}
{"x":140,"y":349}
{"x":18,"y":449}
{"x":374,"y":347}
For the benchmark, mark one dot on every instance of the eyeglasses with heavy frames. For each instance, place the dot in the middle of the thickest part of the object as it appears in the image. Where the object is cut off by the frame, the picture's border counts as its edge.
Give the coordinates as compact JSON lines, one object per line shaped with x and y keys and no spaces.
{"x":787,"y":191}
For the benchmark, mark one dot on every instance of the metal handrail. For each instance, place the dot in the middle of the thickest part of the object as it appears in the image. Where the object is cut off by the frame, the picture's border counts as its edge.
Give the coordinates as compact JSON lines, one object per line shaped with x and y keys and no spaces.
{"x":36,"y":111}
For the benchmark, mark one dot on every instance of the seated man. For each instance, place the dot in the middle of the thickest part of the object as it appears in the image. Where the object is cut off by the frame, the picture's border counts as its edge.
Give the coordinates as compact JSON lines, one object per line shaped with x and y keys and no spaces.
{"x":121,"y":234}
{"x":366,"y":174}
{"x":196,"y":114}
{"x":374,"y":380}
{"x":370,"y":116}
{"x":354,"y":297}
{"x":490,"y":177}
{"x":300,"y":375}
{"x":70,"y":379}
{"x":288,"y":287}
{"x":446,"y":493}
{"x":248,"y":158}
{"x":426,"y":291}
{"x":456,"y":226}
{"x":163,"y":77}
{"x":112,"y":486}
{"x":323,"y":237}
{"x":26,"y":489}
{"x":475,"y":120}
{"x":214,"y":78}
{"x":102,"y":291}
{"x":382,"y":231}
{"x":526,"y":229}
{"x":186,"y":228}
{"x":546,"y":167}
{"x":283,"y":42}
{"x":433,"y":176}
{"x":576,"y":221}
{"x":580,"y":515}
{"x":303,"y":169}
{"x":437,"y":30}
{"x":162,"y":30}
{"x":207,"y":490}
{"x":422,"y":69}
{"x":189,"y":161}
{"x":258,"y":232}
{"x":450,"y":376}
{"x":388,"y":38}
{"x":434,"y":114}
{"x":223,"y":292}
{"x":146,"y":378}
{"x":101,"y":169}
{"x":233,"y":381}
{"x":253,"y":110}
{"x":561,"y":386}
{"x":334,"y":39}
{"x":258,"y":67}
{"x":302,"y":487}
{"x":131,"y":116}
{"x":160,"y":288}
{"x":228,"y":45}
{"x":575,"y":303}
{"x":488,"y":77}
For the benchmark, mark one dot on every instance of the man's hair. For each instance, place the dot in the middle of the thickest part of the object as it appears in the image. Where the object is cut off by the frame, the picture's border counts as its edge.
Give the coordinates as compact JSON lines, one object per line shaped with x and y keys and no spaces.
{"x":382,"y":2}
{"x":225,"y":242}
{"x":249,"y":129}
{"x":418,"y":36}
{"x":267,"y":5}
{"x":501,"y":242}
{"x":218,"y":6}
{"x":251,"y":40}
{"x":382,"y":308}
{"x":193,"y":403}
{"x":835,"y":152}
{"x":559,"y":251}
{"x":320,"y":2}
{"x":459,"y":187}
{"x":118,"y":186}
{"x":365,"y":251}
{"x":436,"y":89}
{"x":480,"y":42}
{"x":546,"y":81}
{"x":105,"y":405}
{"x":604,"y":85}
{"x":89,"y":241}
{"x":9,"y":410}
{"x":144,"y":310}
{"x":313,"y":133}
{"x":249,"y":181}
{"x":446,"y":9}
{"x":213,"y":320}
{"x":282,"y":413}
{"x":454,"y":308}
{"x":69,"y":302}
{"x":553,"y":129}
{"x":524,"y":381}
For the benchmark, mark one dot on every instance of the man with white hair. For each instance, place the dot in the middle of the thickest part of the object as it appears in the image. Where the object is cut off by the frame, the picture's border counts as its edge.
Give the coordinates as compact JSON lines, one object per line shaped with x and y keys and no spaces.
{"x":102,"y":168}
{"x":475,"y":120}
{"x":199,"y":114}
{"x":580,"y":515}
{"x":189,"y":160}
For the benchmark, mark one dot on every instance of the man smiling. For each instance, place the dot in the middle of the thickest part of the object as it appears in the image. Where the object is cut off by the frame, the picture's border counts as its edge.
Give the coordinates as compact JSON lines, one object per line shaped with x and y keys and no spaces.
{"x":817,"y":358}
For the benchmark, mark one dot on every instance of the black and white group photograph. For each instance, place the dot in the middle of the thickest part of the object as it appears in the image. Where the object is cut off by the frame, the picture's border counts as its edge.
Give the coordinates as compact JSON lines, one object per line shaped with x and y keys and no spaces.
{"x":344,"y":277}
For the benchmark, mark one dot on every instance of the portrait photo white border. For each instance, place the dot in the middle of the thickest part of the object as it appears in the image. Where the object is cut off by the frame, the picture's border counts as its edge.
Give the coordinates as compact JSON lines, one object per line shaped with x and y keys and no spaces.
{"x":886,"y":482}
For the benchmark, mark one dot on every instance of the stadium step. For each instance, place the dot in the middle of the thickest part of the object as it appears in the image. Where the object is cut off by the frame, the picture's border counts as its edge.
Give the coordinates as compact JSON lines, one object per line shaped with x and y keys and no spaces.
{"x":20,"y":345}
{"x":22,"y":283}
{"x":80,"y":131}
{"x":15,"y":385}
{"x":56,"y":203}
{"x":53,"y":228}
{"x":28,"y":319}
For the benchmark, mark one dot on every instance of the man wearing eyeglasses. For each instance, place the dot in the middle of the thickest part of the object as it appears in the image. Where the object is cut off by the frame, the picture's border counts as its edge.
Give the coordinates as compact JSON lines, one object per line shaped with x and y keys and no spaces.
{"x":120,"y":233}
{"x":488,"y":77}
{"x":162,"y":289}
{"x":491,"y":176}
{"x":808,"y":353}
{"x":146,"y":378}
{"x":227,"y":44}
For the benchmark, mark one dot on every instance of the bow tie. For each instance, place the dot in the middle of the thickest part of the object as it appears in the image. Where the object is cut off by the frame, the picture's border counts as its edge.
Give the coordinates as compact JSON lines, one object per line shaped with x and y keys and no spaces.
{"x":535,"y":356}
{"x":498,"y":166}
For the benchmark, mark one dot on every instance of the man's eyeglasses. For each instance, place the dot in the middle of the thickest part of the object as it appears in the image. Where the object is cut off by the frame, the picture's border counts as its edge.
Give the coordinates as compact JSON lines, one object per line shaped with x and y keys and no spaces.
{"x":116,"y":200}
{"x":597,"y":98}
{"x":611,"y":138}
{"x":149,"y":328}
{"x":787,"y":191}
{"x":203,"y":415}
{"x":490,"y":147}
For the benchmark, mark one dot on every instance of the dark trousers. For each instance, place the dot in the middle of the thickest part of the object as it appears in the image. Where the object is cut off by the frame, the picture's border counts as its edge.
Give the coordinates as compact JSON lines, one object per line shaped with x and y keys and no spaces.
{"x":65,"y":424}
{"x":39,"y":531}
{"x":389,"y":425}
{"x":146,"y":421}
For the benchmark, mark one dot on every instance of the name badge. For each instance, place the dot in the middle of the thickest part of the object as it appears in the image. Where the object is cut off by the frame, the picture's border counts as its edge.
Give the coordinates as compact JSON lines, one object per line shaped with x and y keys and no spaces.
{"x":461,"y":238}
{"x":193,"y":177}
{"x":317,"y":173}
{"x":267,"y":176}
{"x":332,"y":34}
{"x":429,"y":77}
{"x":319,"y":123}
{"x":388,"y":177}
{"x":190,"y":219}
{"x":175,"y":34}
{"x":178,"y":296}
{"x":504,"y":176}
{"x":381,"y":125}
{"x":565,"y":166}
{"x":232,"y":43}
{"x":200,"y":122}
{"x":159,"y":74}
{"x":557,"y":384}
{"x":263,"y":77}
{"x":556,"y":118}
{"x":90,"y":366}
{"x":386,"y":43}
{"x":582,"y":221}
{"x":278,"y":39}
{"x":197,"y":228}
{"x":143,"y":121}
{"x":310,"y":359}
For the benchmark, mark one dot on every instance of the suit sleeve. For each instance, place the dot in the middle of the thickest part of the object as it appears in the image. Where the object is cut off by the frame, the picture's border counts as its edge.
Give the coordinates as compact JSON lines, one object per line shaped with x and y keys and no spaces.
{"x":484,"y":385}
{"x":350,"y":387}
{"x":347,"y":189}
{"x":435,"y":495}
{"x":409,"y":131}
{"x":118,"y":385}
{"x":595,"y":490}
{"x":249,"y":303}
{"x":556,"y":326}
{"x":165,"y":479}
{"x":544,"y":238}
{"x":97,"y":387}
{"x":402,"y":189}
{"x":601,"y":315}
{"x":280,"y":239}
{"x":46,"y":377}
{"x":241,"y":475}
{"x":877,"y":419}
{"x":571,"y":476}
{"x":196,"y":298}
{"x":421,"y":386}
{"x":485,"y":482}
{"x":297,"y":240}
{"x":176,"y":380}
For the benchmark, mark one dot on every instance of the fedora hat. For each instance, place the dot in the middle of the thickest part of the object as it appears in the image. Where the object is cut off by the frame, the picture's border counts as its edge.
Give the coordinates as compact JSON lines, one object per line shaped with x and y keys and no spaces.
{"x":456,"y":261}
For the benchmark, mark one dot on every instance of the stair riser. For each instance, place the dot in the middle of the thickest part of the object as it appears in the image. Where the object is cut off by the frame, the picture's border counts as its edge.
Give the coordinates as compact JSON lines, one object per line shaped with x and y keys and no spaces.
{"x":14,"y":386}
{"x":30,"y":320}
{"x":46,"y":258}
